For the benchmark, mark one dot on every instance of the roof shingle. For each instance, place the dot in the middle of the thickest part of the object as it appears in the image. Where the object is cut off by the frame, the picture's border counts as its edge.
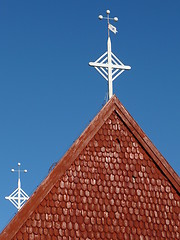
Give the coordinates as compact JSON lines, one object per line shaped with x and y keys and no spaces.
{"x":111,"y":184}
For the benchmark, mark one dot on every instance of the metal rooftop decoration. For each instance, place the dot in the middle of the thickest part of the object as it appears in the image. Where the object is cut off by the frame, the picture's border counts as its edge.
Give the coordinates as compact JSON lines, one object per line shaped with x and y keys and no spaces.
{"x":108,"y":65}
{"x":18,"y":197}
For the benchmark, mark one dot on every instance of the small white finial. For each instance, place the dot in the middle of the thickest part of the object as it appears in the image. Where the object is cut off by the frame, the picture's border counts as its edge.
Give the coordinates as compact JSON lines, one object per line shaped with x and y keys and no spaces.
{"x":18,"y":197}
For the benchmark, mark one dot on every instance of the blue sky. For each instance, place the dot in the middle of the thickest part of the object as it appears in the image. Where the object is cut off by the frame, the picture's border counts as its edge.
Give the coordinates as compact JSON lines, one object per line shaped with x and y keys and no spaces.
{"x":49,"y":94}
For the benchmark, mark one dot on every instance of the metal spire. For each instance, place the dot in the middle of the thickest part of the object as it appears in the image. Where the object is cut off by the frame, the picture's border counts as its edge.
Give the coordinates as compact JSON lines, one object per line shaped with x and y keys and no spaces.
{"x":108,"y":65}
{"x":18,"y":197}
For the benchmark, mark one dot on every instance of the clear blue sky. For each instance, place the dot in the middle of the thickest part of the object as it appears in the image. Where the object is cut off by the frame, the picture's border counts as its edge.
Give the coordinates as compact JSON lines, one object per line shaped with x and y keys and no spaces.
{"x":49,"y":94}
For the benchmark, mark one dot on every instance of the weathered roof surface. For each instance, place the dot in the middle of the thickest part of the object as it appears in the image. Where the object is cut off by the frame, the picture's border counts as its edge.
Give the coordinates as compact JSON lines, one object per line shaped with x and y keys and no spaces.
{"x":111,"y":184}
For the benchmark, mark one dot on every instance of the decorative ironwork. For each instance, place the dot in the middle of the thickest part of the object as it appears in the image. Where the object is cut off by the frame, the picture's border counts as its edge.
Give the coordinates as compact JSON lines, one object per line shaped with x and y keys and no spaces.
{"x":18,"y":197}
{"x":108,"y":65}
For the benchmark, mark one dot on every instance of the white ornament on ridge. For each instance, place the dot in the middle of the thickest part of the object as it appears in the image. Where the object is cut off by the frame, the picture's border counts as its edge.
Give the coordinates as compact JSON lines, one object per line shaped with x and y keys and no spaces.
{"x":108,"y":65}
{"x":18,"y":197}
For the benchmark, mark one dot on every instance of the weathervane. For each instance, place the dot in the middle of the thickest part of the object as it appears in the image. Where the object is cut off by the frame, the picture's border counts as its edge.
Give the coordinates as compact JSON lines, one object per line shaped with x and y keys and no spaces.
{"x":108,"y":65}
{"x":18,"y":197}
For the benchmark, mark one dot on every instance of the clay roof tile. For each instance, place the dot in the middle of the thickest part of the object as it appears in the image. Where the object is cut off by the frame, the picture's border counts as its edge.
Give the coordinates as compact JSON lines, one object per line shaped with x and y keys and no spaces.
{"x":112,"y":183}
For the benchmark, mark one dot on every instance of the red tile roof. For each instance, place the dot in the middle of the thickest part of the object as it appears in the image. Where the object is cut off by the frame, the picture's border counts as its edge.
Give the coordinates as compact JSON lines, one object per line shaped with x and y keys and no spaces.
{"x":111,"y":184}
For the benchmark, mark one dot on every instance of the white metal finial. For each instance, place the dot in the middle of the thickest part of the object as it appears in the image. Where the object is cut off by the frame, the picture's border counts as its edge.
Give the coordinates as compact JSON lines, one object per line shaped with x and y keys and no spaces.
{"x":108,"y":65}
{"x":18,"y":197}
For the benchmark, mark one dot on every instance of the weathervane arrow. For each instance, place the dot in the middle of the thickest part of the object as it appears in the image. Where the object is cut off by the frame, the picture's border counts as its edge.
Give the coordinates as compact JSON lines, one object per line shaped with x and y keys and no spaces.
{"x":108,"y":65}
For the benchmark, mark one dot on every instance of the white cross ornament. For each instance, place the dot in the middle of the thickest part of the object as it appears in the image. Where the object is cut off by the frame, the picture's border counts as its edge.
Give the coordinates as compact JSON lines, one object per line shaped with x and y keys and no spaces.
{"x":18,"y":197}
{"x":108,"y":65}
